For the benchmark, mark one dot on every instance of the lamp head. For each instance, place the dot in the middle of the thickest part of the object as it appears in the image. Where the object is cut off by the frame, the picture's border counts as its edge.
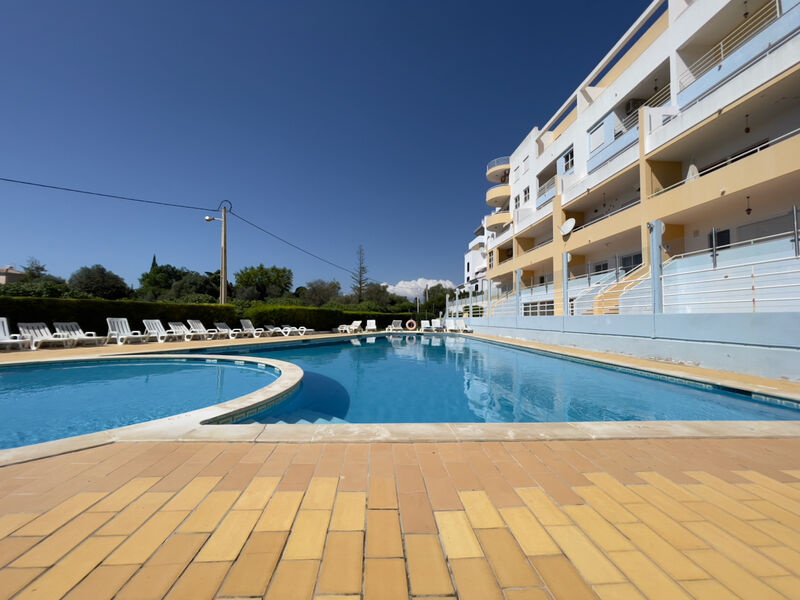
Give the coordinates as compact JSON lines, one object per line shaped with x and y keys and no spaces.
{"x":209,"y":219}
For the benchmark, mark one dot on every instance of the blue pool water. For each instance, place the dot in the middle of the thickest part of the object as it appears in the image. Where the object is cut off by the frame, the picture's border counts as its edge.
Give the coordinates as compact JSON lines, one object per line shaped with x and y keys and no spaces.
{"x":416,"y":379}
{"x":39,"y":403}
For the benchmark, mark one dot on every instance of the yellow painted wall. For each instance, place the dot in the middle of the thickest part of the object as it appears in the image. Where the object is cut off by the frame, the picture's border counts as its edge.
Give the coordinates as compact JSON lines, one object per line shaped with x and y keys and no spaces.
{"x":644,"y":42}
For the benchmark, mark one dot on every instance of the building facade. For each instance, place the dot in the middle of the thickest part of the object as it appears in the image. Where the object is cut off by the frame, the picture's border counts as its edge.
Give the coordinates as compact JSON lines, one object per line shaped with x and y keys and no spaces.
{"x":667,"y":182}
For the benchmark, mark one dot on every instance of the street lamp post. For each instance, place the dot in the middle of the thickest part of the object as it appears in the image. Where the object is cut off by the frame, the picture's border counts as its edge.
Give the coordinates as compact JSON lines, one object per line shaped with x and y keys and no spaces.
{"x":223,"y":269}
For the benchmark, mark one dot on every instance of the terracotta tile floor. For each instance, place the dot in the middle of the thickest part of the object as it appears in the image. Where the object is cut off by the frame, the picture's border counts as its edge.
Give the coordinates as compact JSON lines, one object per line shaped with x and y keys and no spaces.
{"x":623,"y":520}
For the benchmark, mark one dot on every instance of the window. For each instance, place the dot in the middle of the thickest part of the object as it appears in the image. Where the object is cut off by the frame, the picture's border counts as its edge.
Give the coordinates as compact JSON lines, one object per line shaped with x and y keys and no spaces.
{"x":491,"y":259}
{"x":516,"y":201}
{"x":525,"y":165}
{"x":526,"y":194}
{"x":596,"y":138}
{"x":516,"y":173}
{"x":569,"y":160}
{"x":599,"y":267}
{"x":467,"y":267}
{"x":546,"y":308}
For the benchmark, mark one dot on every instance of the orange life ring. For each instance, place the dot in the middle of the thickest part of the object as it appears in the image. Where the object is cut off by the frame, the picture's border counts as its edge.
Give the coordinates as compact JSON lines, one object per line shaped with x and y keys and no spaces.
{"x":411,"y":324}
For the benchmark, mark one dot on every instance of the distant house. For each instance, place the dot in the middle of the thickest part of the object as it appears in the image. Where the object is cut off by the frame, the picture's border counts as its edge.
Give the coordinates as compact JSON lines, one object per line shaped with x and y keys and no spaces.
{"x":9,"y":275}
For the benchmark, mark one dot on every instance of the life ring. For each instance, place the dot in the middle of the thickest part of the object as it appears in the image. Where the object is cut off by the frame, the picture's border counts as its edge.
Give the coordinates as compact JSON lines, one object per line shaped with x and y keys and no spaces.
{"x":411,"y":324}
{"x":411,"y":340}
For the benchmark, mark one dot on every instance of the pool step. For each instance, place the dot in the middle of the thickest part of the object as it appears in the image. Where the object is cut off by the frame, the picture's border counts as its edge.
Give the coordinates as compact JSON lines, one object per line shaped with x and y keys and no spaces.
{"x":304,"y":417}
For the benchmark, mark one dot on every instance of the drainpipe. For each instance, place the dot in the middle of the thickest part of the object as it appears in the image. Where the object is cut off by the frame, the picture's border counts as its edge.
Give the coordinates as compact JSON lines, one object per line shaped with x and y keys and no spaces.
{"x":470,"y":305}
{"x":796,"y":239}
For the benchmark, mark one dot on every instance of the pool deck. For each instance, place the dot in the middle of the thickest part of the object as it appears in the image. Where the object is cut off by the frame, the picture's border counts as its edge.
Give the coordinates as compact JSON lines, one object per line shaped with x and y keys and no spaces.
{"x":611,"y":519}
{"x":684,"y":511}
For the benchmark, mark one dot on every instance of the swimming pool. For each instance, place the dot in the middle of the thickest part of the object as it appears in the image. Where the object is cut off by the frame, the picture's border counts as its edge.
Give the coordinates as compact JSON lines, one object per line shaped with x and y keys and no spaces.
{"x":48,"y":401}
{"x":454,"y":379}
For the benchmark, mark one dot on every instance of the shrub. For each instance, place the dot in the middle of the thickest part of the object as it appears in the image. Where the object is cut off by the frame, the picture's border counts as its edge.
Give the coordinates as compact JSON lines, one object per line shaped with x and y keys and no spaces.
{"x":92,"y":313}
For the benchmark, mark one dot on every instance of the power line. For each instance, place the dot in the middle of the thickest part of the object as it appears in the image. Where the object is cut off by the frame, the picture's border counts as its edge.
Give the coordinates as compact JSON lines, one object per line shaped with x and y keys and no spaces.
{"x":102,"y":195}
{"x":175,"y":205}
{"x":295,"y":246}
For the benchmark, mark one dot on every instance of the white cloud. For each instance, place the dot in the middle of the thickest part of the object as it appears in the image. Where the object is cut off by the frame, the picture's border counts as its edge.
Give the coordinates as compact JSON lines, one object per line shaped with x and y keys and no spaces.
{"x":416,"y":288}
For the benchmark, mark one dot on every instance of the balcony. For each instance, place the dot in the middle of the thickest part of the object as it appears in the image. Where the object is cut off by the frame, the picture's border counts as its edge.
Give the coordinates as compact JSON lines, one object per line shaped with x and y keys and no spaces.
{"x":477,"y":243}
{"x":498,"y":196}
{"x":547,"y":191}
{"x":625,"y":131}
{"x":497,"y":170}
{"x":759,"y":34}
{"x":496,"y":221}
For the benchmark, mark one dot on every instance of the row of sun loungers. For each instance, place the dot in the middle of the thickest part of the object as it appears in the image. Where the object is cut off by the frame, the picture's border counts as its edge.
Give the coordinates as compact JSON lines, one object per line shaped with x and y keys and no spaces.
{"x":451,"y":326}
{"x":33,"y":336}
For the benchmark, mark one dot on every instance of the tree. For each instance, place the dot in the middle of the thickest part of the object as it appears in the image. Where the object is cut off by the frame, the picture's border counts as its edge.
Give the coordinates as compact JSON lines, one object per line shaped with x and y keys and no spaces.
{"x":155,"y":284}
{"x":259,"y":283}
{"x":359,"y":276}
{"x":100,"y":282}
{"x":319,"y":292}
{"x":33,"y":269}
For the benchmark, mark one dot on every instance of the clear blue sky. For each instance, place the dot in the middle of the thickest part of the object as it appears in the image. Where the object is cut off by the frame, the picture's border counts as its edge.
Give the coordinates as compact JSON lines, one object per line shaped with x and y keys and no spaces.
{"x":332,"y":124}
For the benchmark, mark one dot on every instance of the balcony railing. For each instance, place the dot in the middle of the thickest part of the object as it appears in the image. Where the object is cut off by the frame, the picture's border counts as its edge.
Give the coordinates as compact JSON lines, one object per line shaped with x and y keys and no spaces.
{"x":660,"y":98}
{"x":503,"y":160}
{"x":546,"y":187}
{"x":728,"y":161}
{"x":757,"y":22}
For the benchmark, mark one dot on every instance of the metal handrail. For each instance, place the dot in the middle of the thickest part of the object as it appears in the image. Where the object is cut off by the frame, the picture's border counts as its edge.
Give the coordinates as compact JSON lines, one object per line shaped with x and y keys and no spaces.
{"x":737,"y":266}
{"x":751,"y":27}
{"x":502,"y":160}
{"x":611,"y":214}
{"x":546,"y":187}
{"x":776,"y":236}
{"x":729,"y":161}
{"x":660,"y":98}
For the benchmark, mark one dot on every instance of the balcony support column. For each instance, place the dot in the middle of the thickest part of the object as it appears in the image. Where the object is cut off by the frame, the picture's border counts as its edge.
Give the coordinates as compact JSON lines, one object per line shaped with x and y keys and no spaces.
{"x":656,"y":229}
{"x":518,"y":287}
{"x":470,"y":304}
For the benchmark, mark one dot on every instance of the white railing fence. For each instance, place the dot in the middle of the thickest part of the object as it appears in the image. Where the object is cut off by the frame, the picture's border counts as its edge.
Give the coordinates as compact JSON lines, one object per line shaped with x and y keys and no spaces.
{"x":755,"y":23}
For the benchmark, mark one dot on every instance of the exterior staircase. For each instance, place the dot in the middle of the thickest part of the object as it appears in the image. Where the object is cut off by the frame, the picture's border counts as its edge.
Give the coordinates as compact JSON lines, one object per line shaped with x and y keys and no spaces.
{"x":302,"y":417}
{"x":607,"y":302}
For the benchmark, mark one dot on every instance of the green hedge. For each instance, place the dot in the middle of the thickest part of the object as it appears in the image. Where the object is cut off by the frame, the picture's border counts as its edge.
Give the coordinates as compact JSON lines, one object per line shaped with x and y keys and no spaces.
{"x":91,"y":314}
{"x":320,"y":319}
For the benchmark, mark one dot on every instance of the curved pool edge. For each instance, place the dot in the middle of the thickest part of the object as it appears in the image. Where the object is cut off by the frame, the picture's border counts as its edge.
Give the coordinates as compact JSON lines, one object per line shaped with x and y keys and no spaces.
{"x":174,"y":427}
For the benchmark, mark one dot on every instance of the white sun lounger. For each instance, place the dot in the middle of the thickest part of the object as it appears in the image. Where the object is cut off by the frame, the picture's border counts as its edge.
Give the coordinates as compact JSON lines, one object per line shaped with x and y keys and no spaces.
{"x":73,"y":330}
{"x":371,"y":326}
{"x":354,"y":327}
{"x":120,"y":331}
{"x":450,"y":325}
{"x":288,"y":330}
{"x":9,"y":340}
{"x":463,"y":327}
{"x":437,"y":325}
{"x":425,"y":326}
{"x":188,"y":335}
{"x":153,"y":329}
{"x":397,"y":325}
{"x":40,"y":335}
{"x":247,"y":327}
{"x":231,"y":333}
{"x":196,"y":326}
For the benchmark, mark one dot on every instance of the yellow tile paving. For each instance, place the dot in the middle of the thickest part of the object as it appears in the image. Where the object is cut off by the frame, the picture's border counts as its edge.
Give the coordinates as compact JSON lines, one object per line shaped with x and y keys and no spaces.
{"x":720,"y":520}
